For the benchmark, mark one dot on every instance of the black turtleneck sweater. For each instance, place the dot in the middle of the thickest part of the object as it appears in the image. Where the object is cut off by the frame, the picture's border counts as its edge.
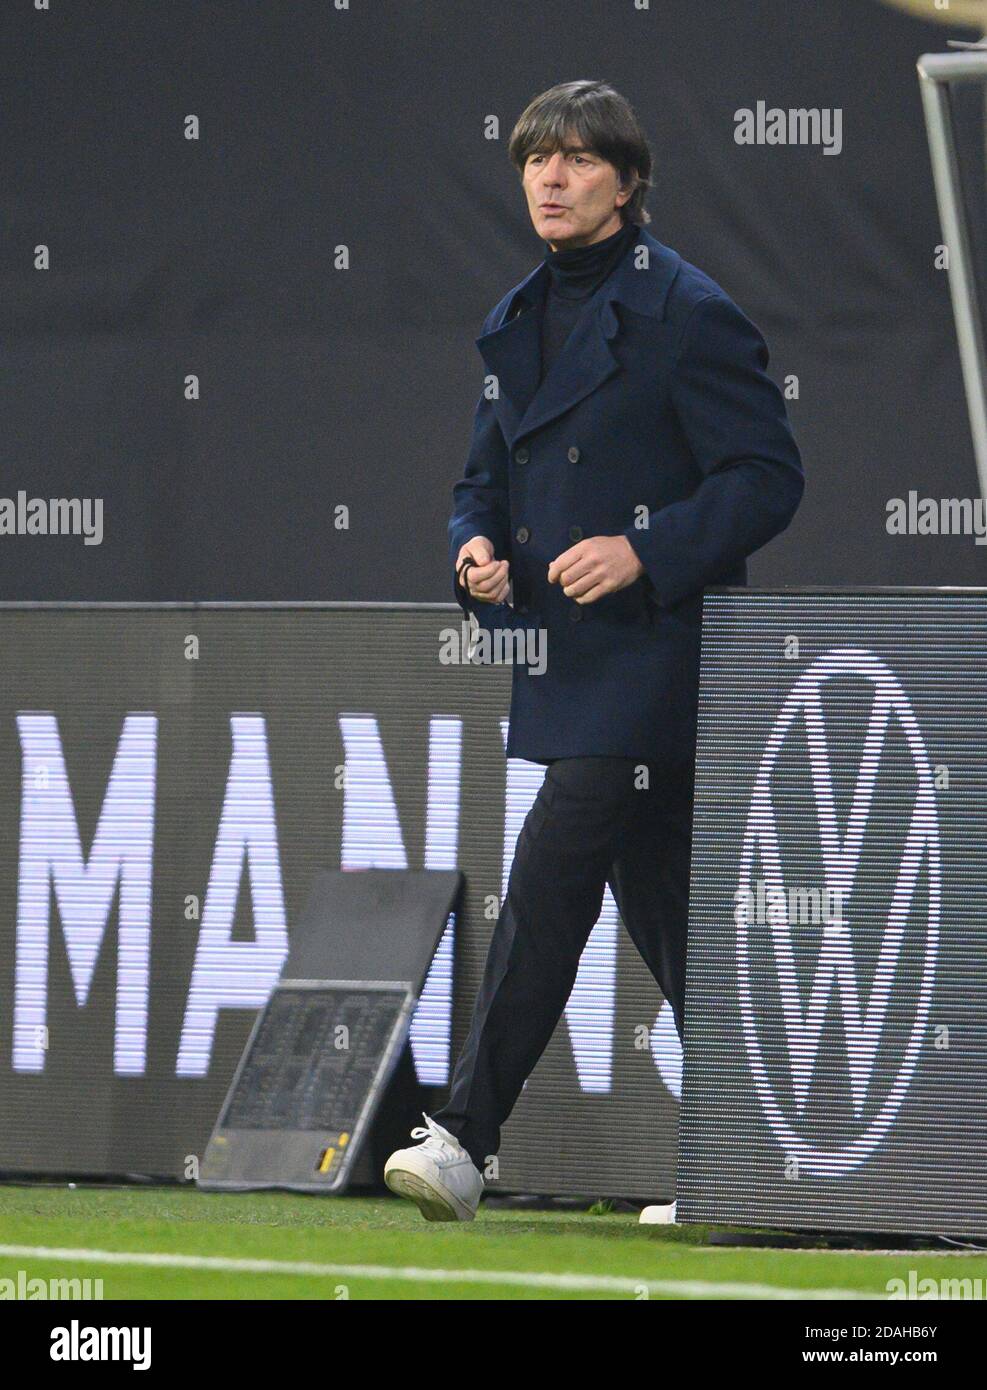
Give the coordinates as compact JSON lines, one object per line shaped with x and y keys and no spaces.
{"x":574,"y":277}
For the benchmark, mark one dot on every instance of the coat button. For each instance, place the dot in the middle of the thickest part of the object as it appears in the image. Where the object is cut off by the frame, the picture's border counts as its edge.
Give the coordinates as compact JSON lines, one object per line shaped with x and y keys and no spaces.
{"x":575,"y":533}
{"x":573,"y":454}
{"x":521,"y":456}
{"x":575,"y":615}
{"x":522,"y":534}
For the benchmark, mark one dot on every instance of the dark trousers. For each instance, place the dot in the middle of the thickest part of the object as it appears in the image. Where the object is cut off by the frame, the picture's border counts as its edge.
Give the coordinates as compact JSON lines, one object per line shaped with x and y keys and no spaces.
{"x":591,"y":824}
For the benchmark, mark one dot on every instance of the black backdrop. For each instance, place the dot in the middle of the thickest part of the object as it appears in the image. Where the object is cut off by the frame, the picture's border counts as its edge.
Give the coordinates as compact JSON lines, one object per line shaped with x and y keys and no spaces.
{"x":365,"y":127}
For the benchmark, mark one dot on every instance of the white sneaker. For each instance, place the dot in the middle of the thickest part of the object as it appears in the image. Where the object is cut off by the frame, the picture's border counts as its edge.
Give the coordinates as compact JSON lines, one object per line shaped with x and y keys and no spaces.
{"x":438,"y":1175}
{"x":658,"y":1216}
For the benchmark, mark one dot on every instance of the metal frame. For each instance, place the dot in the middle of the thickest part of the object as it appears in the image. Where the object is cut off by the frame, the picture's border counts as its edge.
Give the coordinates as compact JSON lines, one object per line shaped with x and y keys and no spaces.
{"x":382,"y":1075}
{"x":936,"y":71}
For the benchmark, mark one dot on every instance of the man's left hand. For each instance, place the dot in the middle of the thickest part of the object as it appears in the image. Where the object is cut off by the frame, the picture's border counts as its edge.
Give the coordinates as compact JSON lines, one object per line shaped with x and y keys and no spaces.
{"x":595,"y":567}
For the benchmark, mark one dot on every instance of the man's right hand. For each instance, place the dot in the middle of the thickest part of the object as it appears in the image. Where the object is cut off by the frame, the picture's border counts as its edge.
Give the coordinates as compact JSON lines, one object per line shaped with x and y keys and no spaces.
{"x":488,"y":580}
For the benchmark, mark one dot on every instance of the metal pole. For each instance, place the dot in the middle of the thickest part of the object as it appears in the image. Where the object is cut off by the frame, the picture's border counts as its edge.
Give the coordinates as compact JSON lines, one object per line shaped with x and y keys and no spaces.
{"x":935,"y":71}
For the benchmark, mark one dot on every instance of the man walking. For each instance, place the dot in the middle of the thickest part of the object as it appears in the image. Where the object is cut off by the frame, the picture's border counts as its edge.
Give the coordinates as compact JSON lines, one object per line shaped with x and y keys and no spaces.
{"x":629,"y":451}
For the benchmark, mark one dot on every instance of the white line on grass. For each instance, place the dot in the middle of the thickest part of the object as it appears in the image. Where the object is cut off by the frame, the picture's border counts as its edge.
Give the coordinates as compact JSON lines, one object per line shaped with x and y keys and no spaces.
{"x":590,"y":1283}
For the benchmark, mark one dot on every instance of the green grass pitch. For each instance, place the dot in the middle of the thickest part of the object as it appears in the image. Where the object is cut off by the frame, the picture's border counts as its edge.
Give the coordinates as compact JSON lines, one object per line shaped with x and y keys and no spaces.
{"x":179,"y":1243}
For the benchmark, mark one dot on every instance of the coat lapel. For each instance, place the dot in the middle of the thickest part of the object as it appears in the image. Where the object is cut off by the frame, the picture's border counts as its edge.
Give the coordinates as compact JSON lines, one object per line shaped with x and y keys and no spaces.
{"x":512,"y":353}
{"x":512,"y":350}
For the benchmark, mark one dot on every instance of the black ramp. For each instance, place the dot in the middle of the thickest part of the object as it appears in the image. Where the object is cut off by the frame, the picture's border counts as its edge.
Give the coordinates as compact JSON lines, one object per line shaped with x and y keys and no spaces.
{"x":324,"y":1046}
{"x":371,"y":924}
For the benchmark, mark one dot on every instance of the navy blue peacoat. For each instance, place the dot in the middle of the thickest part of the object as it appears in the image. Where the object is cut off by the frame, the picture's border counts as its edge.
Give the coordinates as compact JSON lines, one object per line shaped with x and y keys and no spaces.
{"x":657,"y":420}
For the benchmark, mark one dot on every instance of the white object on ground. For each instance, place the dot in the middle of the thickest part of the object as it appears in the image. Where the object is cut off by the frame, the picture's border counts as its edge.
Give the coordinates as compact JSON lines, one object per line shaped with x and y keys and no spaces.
{"x":659,"y":1215}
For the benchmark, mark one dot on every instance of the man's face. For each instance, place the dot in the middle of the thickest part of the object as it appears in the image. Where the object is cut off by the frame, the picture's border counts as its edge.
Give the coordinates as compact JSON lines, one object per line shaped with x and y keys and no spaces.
{"x":574,"y":195}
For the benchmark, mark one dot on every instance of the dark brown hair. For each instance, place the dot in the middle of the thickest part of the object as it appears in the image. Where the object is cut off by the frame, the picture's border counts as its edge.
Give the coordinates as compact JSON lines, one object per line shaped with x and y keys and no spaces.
{"x":601,"y":120}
